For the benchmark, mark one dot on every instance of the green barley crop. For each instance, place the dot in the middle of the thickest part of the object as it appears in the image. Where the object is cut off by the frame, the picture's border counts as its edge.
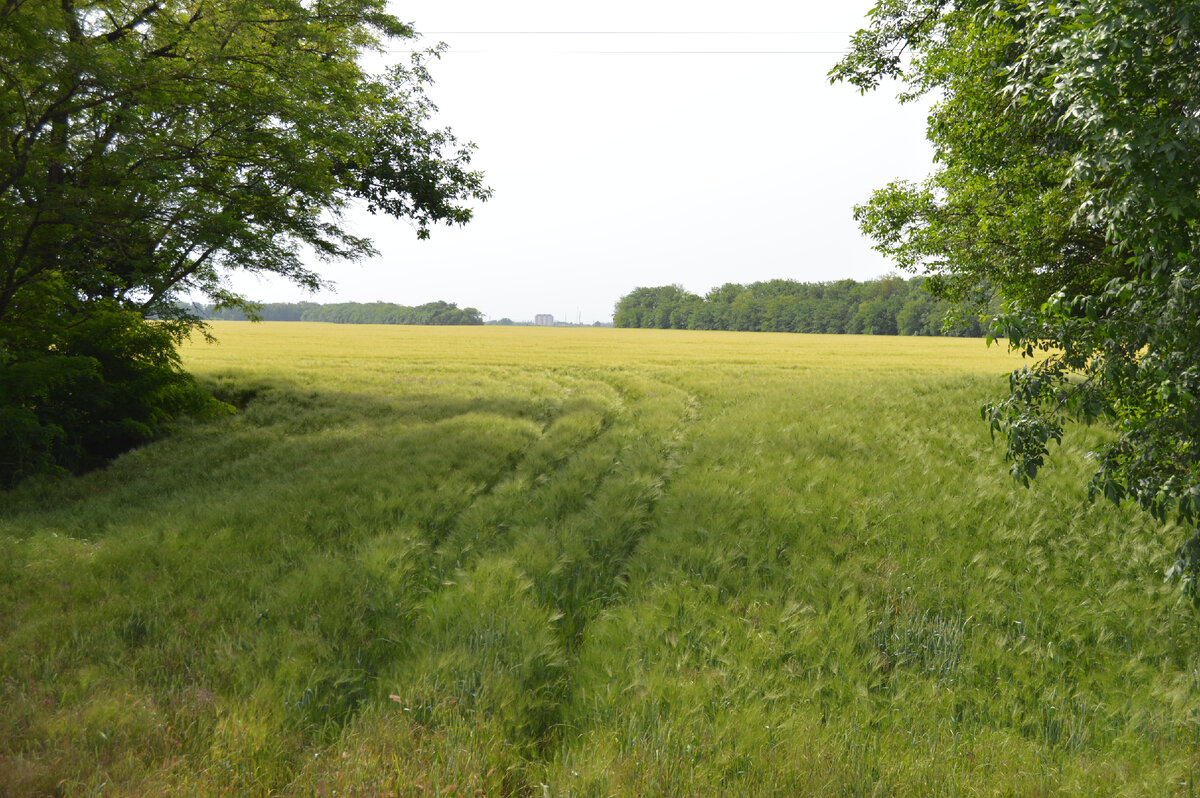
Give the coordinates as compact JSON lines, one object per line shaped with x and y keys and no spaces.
{"x":589,"y":562}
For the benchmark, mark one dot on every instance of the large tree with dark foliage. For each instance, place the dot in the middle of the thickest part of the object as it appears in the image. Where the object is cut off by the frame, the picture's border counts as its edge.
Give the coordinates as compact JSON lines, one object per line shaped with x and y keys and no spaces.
{"x":151,"y":147}
{"x":1067,"y":136}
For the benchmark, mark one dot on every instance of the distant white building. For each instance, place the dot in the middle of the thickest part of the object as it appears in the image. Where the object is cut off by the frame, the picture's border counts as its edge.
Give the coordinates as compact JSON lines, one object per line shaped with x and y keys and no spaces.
{"x":543,"y":320}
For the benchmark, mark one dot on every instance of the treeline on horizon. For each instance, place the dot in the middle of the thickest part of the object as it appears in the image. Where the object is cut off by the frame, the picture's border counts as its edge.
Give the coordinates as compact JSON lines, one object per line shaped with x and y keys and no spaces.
{"x":350,"y":313}
{"x":888,"y":306}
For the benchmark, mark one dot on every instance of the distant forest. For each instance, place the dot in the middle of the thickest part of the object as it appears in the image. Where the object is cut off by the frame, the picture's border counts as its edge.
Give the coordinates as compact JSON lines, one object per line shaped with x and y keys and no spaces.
{"x":351,"y":313}
{"x":888,"y":306}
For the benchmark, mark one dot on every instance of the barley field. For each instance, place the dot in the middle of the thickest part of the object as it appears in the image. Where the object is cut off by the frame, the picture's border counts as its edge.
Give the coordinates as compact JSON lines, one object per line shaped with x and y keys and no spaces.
{"x":589,"y":562}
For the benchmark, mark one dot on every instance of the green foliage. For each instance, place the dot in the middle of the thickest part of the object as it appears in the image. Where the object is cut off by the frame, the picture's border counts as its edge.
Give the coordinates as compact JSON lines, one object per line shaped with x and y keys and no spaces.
{"x":145,"y":151}
{"x":665,"y":307}
{"x":1068,"y":182}
{"x":888,"y":306}
{"x":91,"y":383}
{"x":350,"y":313}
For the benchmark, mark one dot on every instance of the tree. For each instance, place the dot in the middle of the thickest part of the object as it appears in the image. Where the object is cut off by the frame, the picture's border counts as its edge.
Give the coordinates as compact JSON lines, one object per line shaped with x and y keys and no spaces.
{"x":632,"y":309}
{"x":1067,"y":138}
{"x":662,"y":307}
{"x":151,"y":148}
{"x":877,"y":317}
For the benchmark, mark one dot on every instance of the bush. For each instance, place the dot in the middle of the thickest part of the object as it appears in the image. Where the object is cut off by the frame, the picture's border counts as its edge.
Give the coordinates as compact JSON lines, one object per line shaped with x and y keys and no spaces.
{"x":82,"y":386}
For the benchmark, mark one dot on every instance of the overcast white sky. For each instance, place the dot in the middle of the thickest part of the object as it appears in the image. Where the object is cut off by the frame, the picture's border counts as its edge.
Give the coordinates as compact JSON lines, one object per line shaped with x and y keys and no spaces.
{"x":616,"y":167}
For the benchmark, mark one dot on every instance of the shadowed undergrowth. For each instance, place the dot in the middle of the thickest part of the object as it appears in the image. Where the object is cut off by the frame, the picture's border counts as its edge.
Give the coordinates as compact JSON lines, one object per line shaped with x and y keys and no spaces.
{"x":533,"y":562}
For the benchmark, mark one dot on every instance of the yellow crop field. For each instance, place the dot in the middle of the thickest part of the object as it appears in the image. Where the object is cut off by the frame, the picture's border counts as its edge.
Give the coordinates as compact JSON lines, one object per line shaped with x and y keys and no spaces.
{"x":328,"y":348}
{"x":589,"y":562}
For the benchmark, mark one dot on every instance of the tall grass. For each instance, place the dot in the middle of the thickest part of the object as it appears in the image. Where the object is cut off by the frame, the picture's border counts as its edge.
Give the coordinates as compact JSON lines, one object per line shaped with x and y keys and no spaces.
{"x":589,"y":562}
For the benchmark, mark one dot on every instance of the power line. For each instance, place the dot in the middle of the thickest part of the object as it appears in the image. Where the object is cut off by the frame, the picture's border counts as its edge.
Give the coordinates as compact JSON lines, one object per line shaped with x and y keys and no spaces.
{"x":635,"y":33}
{"x":630,"y":52}
{"x":704,"y":51}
